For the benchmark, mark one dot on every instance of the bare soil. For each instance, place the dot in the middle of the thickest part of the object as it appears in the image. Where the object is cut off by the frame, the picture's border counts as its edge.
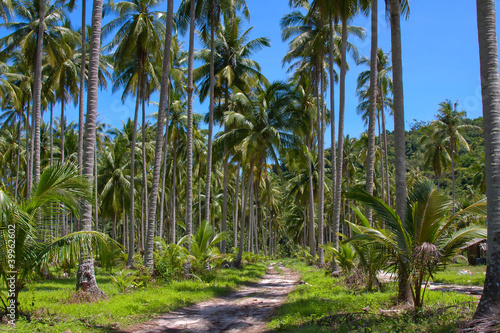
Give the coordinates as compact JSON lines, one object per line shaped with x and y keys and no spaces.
{"x":246,"y":310}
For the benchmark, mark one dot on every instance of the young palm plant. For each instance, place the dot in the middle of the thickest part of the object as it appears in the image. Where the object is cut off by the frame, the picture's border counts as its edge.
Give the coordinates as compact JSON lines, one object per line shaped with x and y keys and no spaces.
{"x":424,"y":239}
{"x":59,"y":184}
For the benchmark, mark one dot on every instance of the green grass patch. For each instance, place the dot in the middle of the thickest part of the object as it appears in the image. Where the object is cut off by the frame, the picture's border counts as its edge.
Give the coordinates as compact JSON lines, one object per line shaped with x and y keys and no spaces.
{"x":320,"y":304}
{"x":454,"y":274}
{"x":54,"y":308}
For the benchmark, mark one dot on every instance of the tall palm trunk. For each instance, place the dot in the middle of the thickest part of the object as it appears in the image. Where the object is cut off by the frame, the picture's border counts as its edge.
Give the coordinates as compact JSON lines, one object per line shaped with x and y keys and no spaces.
{"x":211,"y":114}
{"x":340,"y":142}
{"x":85,"y":276}
{"x":312,"y":241}
{"x":51,"y":129}
{"x":144,"y":165}
{"x":37,"y":91}
{"x":321,"y":145}
{"x":82,"y":87}
{"x":131,"y":220}
{"x":148,"y":254}
{"x":62,"y":130}
{"x":399,"y":132}
{"x":236,"y":205}
{"x":370,"y":163}
{"x":190,"y":90}
{"x":452,"y":153}
{"x":489,"y":306}
{"x":386,"y":154}
{"x":19,"y":130}
{"x":237,"y":262}
{"x":164,"y":176}
{"x":332,"y":130}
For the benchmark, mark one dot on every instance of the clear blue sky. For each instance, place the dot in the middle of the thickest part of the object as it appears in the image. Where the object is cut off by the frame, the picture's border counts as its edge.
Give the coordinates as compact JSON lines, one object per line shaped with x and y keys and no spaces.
{"x":440,"y":60}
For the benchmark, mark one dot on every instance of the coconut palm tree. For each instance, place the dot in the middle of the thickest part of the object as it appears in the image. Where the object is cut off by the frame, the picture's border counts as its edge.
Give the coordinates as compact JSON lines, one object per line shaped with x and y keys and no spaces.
{"x":86,"y":275}
{"x":421,"y":240}
{"x":137,"y":42}
{"x":148,"y":254}
{"x":488,"y":51}
{"x":59,"y":184}
{"x":232,"y":69}
{"x":448,"y":127}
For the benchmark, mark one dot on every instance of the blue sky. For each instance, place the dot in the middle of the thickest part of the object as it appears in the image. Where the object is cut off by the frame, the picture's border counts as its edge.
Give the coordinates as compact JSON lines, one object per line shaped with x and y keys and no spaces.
{"x":440,"y":60}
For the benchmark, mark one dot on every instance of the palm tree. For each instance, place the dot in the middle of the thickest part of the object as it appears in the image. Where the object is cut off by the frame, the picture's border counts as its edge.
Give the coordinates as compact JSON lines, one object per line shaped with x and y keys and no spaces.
{"x":86,"y":276}
{"x":263,"y":126}
{"x":488,"y":51}
{"x":448,"y":127}
{"x":59,"y":184}
{"x":137,"y":43}
{"x":422,"y":239}
{"x":148,"y":254}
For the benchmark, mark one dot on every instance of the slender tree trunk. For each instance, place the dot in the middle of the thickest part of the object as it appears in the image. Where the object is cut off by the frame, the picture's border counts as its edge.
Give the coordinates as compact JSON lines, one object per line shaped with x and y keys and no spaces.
{"x":85,"y":276}
{"x":164,"y":173}
{"x":211,"y":113}
{"x":386,"y":154}
{"x":321,"y":156}
{"x":332,"y":127}
{"x":312,"y":244}
{"x":19,"y":130}
{"x":452,"y":153}
{"x":236,"y":205}
{"x":37,"y":91}
{"x":63,"y":131}
{"x":51,"y":129}
{"x":340,"y":142}
{"x":489,"y":306}
{"x":173,"y":193}
{"x":399,"y":132}
{"x":130,"y":250}
{"x":144,"y":226}
{"x":237,"y":262}
{"x":370,"y":163}
{"x":190,"y":89}
{"x":82,"y":87}
{"x":148,"y":254}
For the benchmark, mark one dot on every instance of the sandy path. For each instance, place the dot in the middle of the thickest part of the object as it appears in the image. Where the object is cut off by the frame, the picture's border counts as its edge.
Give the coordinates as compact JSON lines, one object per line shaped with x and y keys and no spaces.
{"x":246,"y":310}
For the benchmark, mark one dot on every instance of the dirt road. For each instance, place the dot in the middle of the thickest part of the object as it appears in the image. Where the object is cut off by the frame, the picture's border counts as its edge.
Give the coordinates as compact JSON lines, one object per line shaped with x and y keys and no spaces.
{"x":246,"y":310}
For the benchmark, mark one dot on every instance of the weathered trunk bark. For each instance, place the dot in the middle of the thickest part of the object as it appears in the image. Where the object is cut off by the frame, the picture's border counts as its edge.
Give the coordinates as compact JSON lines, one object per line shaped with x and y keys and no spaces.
{"x":190,"y":90}
{"x":311,"y":233}
{"x":489,"y":306}
{"x":86,"y":276}
{"x":130,"y":250}
{"x":340,"y":142}
{"x":82,"y":87}
{"x":236,"y":205}
{"x":144,"y":226}
{"x":332,"y":127}
{"x":321,"y":156}
{"x":237,"y":262}
{"x":164,"y":93}
{"x":399,"y":132}
{"x":372,"y":111}
{"x":37,"y":91}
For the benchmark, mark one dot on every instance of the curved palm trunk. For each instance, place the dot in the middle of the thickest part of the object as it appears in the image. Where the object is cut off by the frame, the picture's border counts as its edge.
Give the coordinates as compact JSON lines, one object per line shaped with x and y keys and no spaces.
{"x":82,"y":87}
{"x":370,"y":163}
{"x":399,"y":132}
{"x":37,"y":92}
{"x":340,"y":143}
{"x":85,"y":276}
{"x":489,"y":306}
{"x":190,"y":90}
{"x":148,"y":254}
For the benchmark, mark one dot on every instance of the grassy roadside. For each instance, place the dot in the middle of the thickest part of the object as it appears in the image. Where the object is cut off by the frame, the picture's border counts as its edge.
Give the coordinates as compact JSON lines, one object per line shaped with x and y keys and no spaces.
{"x":462,"y":274}
{"x":54,"y":306}
{"x":317,"y":305}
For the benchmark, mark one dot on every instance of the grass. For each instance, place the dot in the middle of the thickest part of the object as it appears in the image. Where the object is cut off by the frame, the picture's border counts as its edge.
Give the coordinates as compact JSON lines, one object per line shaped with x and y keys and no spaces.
{"x":452,"y":275}
{"x":53,"y":307}
{"x":320,"y":302}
